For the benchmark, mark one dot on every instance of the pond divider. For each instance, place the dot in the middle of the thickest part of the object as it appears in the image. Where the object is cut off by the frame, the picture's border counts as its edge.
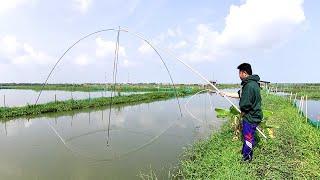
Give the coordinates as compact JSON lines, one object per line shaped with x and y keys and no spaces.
{"x":303,"y":105}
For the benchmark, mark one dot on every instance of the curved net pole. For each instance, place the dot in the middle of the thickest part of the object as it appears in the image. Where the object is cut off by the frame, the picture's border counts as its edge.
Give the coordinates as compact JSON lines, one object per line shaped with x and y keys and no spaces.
{"x":104,"y":30}
{"x":55,"y":65}
{"x":114,"y":77}
{"x":163,"y":62}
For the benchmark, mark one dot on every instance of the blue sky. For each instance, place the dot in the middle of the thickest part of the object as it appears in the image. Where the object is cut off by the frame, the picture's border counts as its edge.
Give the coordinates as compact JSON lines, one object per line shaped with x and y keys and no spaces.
{"x":278,"y":37}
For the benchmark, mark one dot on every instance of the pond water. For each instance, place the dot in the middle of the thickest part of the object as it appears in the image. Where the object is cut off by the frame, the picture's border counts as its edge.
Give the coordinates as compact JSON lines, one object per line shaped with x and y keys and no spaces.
{"x":21,"y":97}
{"x":313,"y":108}
{"x":313,"y":111}
{"x":85,"y":145}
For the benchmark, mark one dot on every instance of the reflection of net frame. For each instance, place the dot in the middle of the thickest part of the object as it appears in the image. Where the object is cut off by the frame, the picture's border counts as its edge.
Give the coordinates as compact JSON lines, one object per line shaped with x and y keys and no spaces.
{"x":119,"y":156}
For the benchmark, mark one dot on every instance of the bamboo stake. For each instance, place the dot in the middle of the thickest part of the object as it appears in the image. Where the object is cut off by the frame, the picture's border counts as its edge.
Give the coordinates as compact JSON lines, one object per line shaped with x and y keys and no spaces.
{"x":302,"y":103}
{"x":306,"y":108}
{"x":4,"y":100}
{"x":5,"y":128}
{"x":299,"y":107}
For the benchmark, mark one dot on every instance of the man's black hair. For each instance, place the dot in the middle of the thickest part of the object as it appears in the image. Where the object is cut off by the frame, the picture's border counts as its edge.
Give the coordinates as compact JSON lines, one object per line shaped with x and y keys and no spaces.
{"x":245,"y":67}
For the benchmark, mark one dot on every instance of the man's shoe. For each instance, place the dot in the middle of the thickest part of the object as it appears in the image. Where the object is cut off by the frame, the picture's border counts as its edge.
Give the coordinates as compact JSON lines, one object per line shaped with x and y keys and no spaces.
{"x":247,"y":158}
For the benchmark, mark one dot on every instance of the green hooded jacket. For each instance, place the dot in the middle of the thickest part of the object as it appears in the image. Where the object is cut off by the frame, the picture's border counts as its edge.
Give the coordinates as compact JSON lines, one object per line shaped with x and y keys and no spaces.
{"x":250,"y":99}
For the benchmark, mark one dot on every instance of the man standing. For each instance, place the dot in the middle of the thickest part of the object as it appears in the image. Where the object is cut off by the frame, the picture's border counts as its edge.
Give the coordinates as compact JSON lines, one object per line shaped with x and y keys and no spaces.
{"x":250,"y":106}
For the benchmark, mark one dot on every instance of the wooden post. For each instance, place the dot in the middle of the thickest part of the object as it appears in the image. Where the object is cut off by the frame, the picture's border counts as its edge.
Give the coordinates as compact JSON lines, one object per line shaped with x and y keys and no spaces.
{"x":4,"y":100}
{"x":290,"y":96}
{"x":102,"y":116}
{"x":89,"y":96}
{"x":302,"y":103}
{"x":295,"y":98}
{"x":306,"y":108}
{"x":5,"y":128}
{"x":55,"y":98}
{"x":71,"y":95}
{"x":299,"y":105}
{"x":89,"y":117}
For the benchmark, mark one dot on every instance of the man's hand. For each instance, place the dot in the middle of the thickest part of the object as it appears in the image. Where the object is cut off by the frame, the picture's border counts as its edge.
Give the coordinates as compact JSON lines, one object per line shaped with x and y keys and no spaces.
{"x":229,"y":94}
{"x":222,"y":93}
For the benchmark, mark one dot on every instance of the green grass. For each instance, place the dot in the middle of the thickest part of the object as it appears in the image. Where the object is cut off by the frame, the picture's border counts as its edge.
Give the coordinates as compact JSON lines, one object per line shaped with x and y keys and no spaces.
{"x":70,"y":105}
{"x":311,"y":90}
{"x":294,"y":153}
{"x":151,"y":87}
{"x":98,"y":87}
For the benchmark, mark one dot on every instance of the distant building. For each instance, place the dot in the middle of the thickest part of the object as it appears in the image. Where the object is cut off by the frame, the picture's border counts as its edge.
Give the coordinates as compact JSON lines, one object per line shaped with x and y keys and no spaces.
{"x":208,"y":86}
{"x":264,"y":84}
{"x":213,"y":82}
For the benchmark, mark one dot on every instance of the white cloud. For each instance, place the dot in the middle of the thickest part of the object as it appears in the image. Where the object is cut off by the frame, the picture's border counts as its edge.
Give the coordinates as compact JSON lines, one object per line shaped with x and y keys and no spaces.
{"x":107,"y":48}
{"x":261,"y":23}
{"x":254,"y":25}
{"x":206,"y":47}
{"x":9,"y":44}
{"x":21,"y":53}
{"x":126,"y":63}
{"x":7,"y":5}
{"x":82,"y":60}
{"x":82,"y":5}
{"x":174,"y":32}
{"x":178,"y":45}
{"x":145,"y":48}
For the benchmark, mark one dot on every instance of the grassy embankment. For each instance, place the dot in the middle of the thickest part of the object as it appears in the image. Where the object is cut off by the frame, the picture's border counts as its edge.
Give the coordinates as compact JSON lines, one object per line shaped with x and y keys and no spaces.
{"x":69,"y":105}
{"x":109,"y":87}
{"x":311,"y":90}
{"x":294,"y":153}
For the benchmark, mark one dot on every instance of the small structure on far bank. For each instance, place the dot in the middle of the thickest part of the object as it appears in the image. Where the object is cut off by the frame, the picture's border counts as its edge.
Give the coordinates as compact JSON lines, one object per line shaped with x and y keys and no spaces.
{"x":264,"y":84}
{"x":208,"y":86}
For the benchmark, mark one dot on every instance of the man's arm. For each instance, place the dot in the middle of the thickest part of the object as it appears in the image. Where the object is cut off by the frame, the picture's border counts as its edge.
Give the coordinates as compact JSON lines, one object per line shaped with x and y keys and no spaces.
{"x":230,"y":94}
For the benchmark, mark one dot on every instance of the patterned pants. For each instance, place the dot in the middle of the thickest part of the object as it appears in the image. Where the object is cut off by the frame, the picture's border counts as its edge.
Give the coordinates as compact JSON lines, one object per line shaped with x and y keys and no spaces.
{"x":248,"y":131}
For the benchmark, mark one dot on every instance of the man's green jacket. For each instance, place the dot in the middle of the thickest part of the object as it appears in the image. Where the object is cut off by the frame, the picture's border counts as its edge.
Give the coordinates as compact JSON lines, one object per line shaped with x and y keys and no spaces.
{"x":250,"y":99}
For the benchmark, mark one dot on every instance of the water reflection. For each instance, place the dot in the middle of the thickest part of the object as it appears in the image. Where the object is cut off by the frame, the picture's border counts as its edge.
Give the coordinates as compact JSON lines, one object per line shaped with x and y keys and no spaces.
{"x":313,"y":111}
{"x":21,"y":97}
{"x":83,"y":145}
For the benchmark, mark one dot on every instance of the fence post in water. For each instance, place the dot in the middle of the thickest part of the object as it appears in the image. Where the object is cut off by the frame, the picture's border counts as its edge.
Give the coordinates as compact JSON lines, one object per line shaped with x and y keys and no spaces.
{"x":89,"y":96}
{"x":306,"y":108}
{"x":302,"y":103}
{"x":55,"y":98}
{"x":4,"y":100}
{"x":290,"y":96}
{"x":71,"y":96}
{"x":299,"y":105}
{"x":89,"y":118}
{"x":295,"y":98}
{"x":5,"y":128}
